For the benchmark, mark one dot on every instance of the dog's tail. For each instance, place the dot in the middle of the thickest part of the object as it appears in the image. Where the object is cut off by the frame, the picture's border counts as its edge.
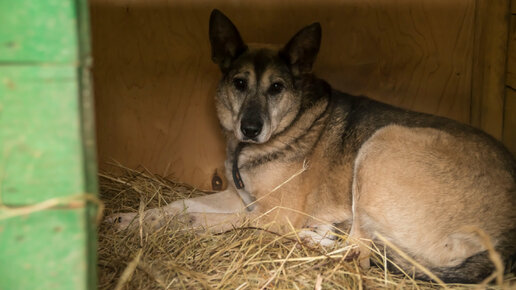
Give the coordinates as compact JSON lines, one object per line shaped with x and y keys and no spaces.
{"x":472,"y":270}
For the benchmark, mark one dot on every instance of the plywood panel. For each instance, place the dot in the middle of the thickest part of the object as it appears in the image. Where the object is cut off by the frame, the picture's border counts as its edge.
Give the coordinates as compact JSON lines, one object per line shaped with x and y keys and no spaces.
{"x":489,"y":67}
{"x":511,"y":55}
{"x":509,"y":126}
{"x":509,"y":137}
{"x":154,"y":81}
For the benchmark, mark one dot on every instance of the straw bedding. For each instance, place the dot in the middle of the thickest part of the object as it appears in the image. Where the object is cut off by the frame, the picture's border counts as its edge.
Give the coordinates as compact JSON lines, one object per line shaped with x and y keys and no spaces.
{"x":245,"y":258}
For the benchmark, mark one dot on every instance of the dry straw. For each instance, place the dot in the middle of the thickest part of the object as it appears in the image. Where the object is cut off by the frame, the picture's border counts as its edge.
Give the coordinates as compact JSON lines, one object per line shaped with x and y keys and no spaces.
{"x":242,"y":258}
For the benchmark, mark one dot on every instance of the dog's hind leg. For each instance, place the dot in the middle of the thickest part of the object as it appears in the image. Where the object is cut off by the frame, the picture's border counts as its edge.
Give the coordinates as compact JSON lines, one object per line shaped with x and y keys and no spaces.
{"x":227,"y":204}
{"x":357,"y":237}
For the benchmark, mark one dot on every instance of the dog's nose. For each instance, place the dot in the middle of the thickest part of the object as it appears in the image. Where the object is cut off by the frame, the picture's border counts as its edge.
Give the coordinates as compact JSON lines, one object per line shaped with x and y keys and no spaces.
{"x":251,"y":127}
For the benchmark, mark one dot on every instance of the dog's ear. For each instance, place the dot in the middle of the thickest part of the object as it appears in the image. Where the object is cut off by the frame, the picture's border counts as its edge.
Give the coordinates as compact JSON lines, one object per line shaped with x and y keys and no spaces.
{"x":226,"y":43}
{"x":302,"y":49}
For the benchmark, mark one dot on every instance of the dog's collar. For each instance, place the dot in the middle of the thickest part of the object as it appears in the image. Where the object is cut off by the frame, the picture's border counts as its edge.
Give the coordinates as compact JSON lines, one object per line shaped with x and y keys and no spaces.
{"x":237,"y":179}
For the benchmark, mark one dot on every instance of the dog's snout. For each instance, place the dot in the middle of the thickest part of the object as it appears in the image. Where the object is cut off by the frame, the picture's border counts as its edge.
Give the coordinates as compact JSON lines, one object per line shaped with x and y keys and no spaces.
{"x":251,"y":127}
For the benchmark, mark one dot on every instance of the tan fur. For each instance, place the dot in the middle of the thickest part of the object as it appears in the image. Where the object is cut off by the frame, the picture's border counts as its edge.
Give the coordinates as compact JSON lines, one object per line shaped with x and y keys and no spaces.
{"x":414,"y":182}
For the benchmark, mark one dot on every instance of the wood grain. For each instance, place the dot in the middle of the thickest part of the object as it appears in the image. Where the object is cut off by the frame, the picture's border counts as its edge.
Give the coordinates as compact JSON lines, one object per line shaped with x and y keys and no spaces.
{"x":154,"y":81}
{"x":511,"y":55}
{"x":509,"y":136}
{"x":509,"y":126}
{"x":490,"y":56}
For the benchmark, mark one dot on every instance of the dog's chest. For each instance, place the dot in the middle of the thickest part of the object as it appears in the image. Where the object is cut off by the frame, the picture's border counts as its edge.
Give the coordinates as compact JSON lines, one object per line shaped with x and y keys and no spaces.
{"x":271,"y":181}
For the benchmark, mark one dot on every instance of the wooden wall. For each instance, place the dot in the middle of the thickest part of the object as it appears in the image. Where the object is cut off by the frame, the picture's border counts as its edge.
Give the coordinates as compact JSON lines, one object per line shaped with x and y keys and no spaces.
{"x":154,"y":80}
{"x":509,"y":132}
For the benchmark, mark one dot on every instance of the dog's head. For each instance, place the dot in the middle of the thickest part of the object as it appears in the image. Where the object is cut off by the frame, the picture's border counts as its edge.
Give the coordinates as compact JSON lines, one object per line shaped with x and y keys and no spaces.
{"x":258,"y":95}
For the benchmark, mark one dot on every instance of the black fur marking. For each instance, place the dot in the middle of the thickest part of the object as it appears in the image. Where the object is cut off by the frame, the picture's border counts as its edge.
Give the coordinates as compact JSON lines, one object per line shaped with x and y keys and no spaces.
{"x":226,"y":42}
{"x":264,"y":159}
{"x":302,"y":49}
{"x":260,"y":62}
{"x":473,"y":270}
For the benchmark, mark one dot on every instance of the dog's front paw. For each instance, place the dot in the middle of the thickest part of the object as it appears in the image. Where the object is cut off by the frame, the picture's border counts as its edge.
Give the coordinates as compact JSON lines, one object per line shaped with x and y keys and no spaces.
{"x":153,"y":219}
{"x":122,"y":221}
{"x":318,"y":236}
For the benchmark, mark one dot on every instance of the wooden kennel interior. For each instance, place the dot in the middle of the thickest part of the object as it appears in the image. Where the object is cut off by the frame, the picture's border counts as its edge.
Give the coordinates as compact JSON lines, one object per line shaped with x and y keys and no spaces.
{"x":154,"y":81}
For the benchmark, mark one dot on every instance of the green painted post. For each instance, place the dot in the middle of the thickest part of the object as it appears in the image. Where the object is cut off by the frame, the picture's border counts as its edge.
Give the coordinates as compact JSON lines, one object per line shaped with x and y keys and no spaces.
{"x":48,"y":179}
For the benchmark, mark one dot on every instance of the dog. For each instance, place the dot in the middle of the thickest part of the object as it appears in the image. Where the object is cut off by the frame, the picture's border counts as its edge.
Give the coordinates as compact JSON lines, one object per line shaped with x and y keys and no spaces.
{"x":303,"y":155}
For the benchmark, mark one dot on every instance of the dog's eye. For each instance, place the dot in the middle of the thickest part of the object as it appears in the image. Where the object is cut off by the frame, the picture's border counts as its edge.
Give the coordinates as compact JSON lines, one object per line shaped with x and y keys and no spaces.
{"x":240,"y":84}
{"x":275,"y":88}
